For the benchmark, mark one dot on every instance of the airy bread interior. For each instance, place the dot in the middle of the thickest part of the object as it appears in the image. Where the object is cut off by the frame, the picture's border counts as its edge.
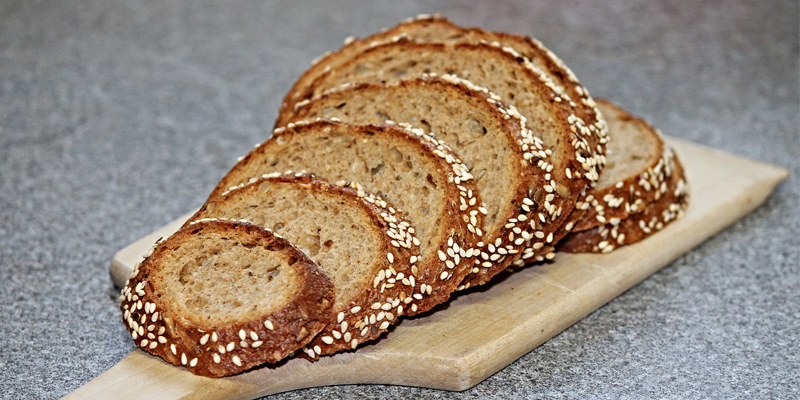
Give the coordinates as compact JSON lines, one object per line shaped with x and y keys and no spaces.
{"x":335,"y":234}
{"x":468,"y":124}
{"x":382,"y":160}
{"x":220,"y":278}
{"x":631,"y":148}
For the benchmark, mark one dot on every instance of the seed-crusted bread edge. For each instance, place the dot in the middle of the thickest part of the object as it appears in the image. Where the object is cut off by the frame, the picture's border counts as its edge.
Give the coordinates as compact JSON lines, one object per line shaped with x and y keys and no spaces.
{"x":232,"y":348}
{"x":394,"y":288}
{"x":632,"y":194}
{"x":636,"y":227}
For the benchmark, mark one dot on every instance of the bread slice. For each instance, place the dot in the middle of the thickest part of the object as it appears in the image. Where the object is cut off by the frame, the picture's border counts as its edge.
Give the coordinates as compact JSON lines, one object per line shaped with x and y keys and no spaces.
{"x":510,"y":165}
{"x":500,"y":70}
{"x":654,"y":217}
{"x":638,"y":168}
{"x":366,"y":248}
{"x":426,"y":28}
{"x":220,"y":297}
{"x":407,"y":168}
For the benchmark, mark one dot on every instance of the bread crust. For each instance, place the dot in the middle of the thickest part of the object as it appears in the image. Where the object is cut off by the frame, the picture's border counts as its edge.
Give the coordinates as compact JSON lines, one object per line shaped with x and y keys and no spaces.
{"x":654,"y":217}
{"x":452,"y":257}
{"x":632,"y":194}
{"x":234,"y":347}
{"x":533,"y":188}
{"x":389,"y":293}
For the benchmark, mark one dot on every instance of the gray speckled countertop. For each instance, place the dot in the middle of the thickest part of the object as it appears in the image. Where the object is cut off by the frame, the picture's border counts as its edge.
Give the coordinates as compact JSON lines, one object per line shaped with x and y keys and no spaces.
{"x":116,"y":118}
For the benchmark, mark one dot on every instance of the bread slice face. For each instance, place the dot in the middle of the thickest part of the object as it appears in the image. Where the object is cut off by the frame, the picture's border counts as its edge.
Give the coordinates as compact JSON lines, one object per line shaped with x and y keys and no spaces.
{"x":499,"y":69}
{"x":437,"y":29}
{"x":511,"y":167}
{"x":638,"y":170}
{"x":358,"y":239}
{"x":407,"y":168}
{"x":654,"y":217}
{"x":220,"y":297}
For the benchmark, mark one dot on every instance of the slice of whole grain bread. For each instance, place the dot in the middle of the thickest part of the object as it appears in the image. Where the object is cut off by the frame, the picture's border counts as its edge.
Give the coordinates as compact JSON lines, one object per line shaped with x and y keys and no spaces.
{"x":654,"y":217}
{"x":638,"y":169}
{"x":220,"y":297}
{"x":358,"y":239}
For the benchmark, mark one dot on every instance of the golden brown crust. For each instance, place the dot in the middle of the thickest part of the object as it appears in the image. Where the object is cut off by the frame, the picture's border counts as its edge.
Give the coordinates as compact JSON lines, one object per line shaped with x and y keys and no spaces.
{"x":389,"y":293}
{"x":461,"y":219}
{"x":234,"y":347}
{"x":653,"y":218}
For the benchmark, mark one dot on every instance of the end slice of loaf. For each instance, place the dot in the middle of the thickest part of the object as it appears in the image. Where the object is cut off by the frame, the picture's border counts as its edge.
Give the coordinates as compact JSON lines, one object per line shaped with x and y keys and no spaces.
{"x":638,"y":169}
{"x":407,"y":168}
{"x":220,"y":297}
{"x":654,"y":217}
{"x":362,"y":243}
{"x":511,"y":167}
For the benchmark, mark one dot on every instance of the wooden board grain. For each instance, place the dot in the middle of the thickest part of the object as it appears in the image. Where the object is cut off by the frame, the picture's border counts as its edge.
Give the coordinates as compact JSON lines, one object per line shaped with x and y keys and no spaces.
{"x":479,"y":332}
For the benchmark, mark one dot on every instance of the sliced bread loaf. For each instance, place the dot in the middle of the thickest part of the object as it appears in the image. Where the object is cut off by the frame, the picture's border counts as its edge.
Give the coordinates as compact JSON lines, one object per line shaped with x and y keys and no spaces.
{"x":500,"y":70}
{"x":220,"y":297}
{"x":412,"y":171}
{"x":637,"y":172}
{"x":369,"y":252}
{"x":654,"y":217}
{"x":426,"y":28}
{"x":510,"y":166}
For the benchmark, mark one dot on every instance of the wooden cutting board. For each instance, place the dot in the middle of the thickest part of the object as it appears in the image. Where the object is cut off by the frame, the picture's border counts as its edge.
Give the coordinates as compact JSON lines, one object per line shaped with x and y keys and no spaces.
{"x":479,"y":332}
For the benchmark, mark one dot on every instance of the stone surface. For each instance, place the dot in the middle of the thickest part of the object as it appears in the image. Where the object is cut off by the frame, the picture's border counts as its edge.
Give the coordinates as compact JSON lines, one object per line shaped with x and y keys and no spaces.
{"x":116,"y":118}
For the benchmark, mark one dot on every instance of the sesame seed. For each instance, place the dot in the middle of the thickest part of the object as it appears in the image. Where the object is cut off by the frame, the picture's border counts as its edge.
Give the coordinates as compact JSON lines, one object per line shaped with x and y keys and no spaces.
{"x":257,"y":344}
{"x":268,"y":325}
{"x":193,"y":362}
{"x":216,"y":358}
{"x":236,"y":360}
